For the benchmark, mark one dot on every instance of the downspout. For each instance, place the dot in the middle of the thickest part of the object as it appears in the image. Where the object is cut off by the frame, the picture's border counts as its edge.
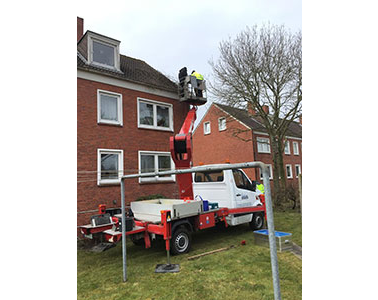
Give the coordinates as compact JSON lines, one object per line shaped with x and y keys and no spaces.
{"x":254,"y":154}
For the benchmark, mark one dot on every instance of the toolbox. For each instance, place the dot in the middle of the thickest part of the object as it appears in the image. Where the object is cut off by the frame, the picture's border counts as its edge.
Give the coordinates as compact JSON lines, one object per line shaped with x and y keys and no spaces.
{"x":206,"y":220}
{"x":129,"y":222}
{"x":283,"y":239}
{"x":213,"y":205}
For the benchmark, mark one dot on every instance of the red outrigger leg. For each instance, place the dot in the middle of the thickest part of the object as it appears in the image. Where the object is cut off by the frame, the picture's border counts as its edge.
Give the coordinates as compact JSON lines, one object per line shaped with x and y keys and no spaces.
{"x":165,"y":221}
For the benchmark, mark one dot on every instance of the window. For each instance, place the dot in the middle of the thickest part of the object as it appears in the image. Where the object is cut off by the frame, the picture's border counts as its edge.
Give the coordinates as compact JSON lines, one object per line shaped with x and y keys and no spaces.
{"x":209,"y":176}
{"x":295,"y":148}
{"x":103,"y":54}
{"x":222,"y":124}
{"x":103,"y":51}
{"x":109,"y":166}
{"x":206,"y":128}
{"x":270,"y":172}
{"x":150,"y":162}
{"x":241,"y":181}
{"x":287,"y":147}
{"x":155,"y":115}
{"x":109,"y":108}
{"x":263,"y":145}
{"x":289,"y":172}
{"x":297,"y":170}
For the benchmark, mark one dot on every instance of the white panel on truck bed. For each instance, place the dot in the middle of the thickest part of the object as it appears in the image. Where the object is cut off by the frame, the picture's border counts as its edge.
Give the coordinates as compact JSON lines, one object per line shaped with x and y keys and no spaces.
{"x":149,"y":210}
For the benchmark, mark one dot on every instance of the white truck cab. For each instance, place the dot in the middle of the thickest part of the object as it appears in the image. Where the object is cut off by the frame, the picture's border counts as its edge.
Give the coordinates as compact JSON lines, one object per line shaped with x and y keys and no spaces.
{"x":228,"y":188}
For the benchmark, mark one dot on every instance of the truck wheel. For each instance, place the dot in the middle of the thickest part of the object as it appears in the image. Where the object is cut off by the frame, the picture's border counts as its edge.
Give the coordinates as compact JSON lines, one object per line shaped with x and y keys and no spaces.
{"x":180,"y":241}
{"x":257,"y":221}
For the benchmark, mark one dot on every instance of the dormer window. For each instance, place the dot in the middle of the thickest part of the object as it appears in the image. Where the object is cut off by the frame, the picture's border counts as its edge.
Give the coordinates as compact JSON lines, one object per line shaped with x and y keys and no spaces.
{"x":103,"y":51}
{"x":103,"y":54}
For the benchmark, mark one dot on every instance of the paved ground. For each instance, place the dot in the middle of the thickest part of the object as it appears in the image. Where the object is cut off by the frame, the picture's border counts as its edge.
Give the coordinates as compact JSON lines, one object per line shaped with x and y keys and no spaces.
{"x":297,"y":251}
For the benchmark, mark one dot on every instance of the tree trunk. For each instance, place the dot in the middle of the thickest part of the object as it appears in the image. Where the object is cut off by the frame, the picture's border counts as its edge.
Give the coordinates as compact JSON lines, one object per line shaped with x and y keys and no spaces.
{"x":282,"y":171}
{"x":276,"y":171}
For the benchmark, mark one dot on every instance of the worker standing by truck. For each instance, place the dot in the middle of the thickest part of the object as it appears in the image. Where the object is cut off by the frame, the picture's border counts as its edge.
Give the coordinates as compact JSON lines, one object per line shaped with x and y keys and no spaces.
{"x":260,"y":188}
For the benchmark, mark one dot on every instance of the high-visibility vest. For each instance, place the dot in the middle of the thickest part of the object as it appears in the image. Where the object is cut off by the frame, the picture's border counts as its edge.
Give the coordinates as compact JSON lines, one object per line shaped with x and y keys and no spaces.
{"x":197,"y":75}
{"x":261,"y":188}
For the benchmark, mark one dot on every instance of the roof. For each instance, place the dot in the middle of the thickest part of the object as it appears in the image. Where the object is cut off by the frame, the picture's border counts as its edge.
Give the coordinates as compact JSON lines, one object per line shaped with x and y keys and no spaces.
{"x":294,"y":129}
{"x":132,"y":69}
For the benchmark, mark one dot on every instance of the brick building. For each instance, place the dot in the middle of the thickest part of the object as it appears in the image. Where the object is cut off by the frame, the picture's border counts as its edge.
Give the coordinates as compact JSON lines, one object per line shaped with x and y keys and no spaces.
{"x":126,"y":112}
{"x":235,"y":135}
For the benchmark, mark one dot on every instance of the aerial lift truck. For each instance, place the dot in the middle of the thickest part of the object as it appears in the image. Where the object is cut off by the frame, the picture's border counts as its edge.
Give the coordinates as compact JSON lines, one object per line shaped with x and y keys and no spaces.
{"x":176,"y":219}
{"x":232,"y":195}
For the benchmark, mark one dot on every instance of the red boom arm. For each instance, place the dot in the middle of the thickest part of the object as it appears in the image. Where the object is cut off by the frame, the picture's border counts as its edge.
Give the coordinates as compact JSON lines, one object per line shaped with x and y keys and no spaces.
{"x":181,"y":151}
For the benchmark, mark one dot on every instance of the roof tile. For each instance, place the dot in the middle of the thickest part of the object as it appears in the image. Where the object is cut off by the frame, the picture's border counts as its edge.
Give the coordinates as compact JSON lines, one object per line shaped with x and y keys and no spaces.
{"x":294,"y":130}
{"x":132,"y":69}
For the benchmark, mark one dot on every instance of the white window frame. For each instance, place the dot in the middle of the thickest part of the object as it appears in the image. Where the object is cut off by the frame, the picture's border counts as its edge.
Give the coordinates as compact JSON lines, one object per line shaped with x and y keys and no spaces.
{"x":220,"y":122}
{"x":105,"y":41}
{"x":155,"y":104}
{"x":291,"y":171}
{"x":270,"y":172}
{"x":287,"y":149}
{"x":120,"y":164}
{"x":155,"y":179}
{"x":300,"y":170}
{"x":297,"y":148}
{"x":119,"y":108}
{"x":204,"y":128}
{"x":265,"y":141}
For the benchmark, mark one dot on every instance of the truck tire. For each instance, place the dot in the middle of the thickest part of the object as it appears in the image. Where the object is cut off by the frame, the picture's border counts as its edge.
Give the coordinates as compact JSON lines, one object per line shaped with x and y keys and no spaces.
{"x":257,"y":221}
{"x":181,"y":241}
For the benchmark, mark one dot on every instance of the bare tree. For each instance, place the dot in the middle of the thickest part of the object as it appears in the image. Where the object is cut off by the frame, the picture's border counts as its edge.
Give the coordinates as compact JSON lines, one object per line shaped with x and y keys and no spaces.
{"x":263,"y":66}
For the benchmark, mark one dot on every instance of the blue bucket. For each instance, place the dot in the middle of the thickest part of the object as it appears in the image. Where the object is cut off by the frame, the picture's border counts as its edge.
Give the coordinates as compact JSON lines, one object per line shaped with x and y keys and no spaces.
{"x":205,"y":205}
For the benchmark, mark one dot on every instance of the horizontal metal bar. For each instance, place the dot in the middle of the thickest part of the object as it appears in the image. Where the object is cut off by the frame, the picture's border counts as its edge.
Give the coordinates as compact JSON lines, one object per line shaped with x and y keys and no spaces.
{"x":254,"y":164}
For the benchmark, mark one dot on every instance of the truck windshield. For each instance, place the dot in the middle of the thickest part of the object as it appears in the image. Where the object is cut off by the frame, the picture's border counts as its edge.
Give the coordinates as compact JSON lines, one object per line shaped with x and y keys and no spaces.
{"x":208,"y":176}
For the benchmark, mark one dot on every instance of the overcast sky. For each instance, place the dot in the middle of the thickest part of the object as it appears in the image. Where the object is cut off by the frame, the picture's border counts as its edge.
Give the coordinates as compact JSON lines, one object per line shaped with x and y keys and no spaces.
{"x":169,"y":34}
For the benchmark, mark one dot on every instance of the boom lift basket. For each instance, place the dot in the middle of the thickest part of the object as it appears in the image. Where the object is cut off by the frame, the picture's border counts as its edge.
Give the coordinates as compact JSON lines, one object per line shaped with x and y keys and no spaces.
{"x":192,"y":91}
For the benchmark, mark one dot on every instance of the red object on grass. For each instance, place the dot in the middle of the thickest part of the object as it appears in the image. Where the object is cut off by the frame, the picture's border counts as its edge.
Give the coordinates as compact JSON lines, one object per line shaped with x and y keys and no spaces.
{"x":243,"y":242}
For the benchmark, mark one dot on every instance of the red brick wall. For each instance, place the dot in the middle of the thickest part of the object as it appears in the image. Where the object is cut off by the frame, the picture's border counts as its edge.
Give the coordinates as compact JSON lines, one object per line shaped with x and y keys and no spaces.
{"x":293,"y":160}
{"x":129,"y":138}
{"x":263,"y":157}
{"x":219,"y":146}
{"x":287,"y":158}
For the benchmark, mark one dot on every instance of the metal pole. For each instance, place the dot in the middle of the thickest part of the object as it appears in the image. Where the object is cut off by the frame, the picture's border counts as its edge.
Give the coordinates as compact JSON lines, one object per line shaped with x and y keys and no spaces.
{"x":271,"y":233}
{"x":168,"y":258}
{"x":300,"y":191}
{"x":198,"y":169}
{"x":123,"y":229}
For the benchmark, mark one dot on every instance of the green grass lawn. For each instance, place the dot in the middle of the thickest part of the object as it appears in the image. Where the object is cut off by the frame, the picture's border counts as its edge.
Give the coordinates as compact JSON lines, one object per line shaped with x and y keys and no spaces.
{"x":243,"y":272}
